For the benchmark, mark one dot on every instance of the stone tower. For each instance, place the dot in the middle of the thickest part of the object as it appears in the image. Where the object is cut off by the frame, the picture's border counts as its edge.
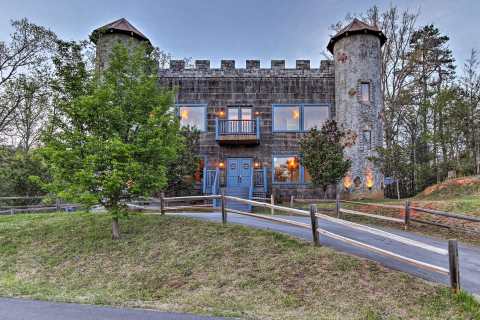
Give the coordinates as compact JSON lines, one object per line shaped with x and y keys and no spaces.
{"x":359,"y":103}
{"x":107,"y":36}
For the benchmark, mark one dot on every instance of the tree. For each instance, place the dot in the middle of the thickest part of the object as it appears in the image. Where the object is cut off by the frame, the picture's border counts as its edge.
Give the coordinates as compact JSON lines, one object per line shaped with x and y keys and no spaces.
{"x":181,"y":170}
{"x":16,"y":169}
{"x":321,"y":153}
{"x":114,"y":142}
{"x":28,"y":49}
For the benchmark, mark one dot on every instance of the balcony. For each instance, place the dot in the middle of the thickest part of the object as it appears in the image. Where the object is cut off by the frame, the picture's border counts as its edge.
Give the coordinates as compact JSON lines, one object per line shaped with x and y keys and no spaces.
{"x":237,"y":131}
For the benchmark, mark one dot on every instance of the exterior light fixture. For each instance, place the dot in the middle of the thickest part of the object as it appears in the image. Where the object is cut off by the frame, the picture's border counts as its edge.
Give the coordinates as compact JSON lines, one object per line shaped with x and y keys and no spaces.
{"x":347,"y":182}
{"x":221,"y":164}
{"x":257,"y":113}
{"x":256,"y":164}
{"x":369,"y":180}
{"x":221,"y":113}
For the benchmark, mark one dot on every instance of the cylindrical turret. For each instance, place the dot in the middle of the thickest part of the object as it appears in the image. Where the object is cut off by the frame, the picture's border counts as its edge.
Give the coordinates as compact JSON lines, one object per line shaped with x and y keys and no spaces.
{"x":107,"y":36}
{"x":359,"y":103}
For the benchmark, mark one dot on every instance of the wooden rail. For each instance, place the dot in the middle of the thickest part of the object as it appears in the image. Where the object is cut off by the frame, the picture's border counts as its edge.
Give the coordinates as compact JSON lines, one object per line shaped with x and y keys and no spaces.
{"x":359,"y":213}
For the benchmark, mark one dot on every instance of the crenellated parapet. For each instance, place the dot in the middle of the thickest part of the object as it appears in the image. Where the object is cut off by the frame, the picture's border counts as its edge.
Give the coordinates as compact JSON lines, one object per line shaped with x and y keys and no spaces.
{"x":252,"y":68}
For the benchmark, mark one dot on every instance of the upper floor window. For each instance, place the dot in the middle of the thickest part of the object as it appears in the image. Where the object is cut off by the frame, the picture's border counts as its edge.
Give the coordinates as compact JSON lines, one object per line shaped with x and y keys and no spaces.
{"x":296,"y":118}
{"x":314,"y":116}
{"x":194,"y":116}
{"x":286,"y":118}
{"x":365,"y":91}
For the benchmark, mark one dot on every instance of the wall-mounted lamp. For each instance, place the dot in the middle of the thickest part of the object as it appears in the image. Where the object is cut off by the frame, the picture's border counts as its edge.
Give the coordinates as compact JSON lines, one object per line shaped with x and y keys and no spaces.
{"x":257,"y":113}
{"x":347,"y":182}
{"x":221,"y":164}
{"x":221,"y":113}
{"x":257,"y":164}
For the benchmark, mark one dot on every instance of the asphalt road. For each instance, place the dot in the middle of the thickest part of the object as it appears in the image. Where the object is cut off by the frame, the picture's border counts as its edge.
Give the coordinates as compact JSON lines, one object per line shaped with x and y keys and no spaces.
{"x":469,"y":256}
{"x":19,"y":309}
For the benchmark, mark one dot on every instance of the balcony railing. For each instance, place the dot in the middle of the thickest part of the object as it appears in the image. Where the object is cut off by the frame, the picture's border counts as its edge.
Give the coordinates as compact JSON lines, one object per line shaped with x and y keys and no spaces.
{"x":237,"y":131}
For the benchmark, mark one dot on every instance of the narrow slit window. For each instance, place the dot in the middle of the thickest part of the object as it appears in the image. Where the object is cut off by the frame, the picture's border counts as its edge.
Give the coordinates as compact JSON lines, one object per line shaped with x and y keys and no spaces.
{"x":365,"y":92}
{"x":367,"y":139}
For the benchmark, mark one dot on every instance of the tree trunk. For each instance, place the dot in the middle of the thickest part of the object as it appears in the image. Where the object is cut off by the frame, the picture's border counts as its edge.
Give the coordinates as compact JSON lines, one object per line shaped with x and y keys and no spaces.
{"x":115,"y":229}
{"x":398,"y":190}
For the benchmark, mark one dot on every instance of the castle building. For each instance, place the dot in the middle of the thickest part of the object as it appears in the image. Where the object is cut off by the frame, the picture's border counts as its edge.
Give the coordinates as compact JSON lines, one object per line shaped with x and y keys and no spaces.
{"x":252,"y":118}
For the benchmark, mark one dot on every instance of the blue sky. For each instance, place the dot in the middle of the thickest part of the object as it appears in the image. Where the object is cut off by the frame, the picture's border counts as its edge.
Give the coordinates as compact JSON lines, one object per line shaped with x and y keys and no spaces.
{"x":240,"y":30}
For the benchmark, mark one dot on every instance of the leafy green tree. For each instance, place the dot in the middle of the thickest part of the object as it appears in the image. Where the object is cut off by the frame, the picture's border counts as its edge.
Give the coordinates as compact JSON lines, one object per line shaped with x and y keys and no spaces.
{"x":114,"y":141}
{"x":181,"y":170}
{"x":16,"y":168}
{"x":321,"y":154}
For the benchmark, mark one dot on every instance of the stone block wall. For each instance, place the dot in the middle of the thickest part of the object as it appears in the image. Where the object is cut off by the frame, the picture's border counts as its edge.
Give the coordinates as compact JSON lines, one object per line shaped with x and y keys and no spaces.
{"x":259,"y":88}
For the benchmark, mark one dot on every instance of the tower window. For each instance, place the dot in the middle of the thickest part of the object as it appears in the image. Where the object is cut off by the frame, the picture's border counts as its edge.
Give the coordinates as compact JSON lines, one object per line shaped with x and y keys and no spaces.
{"x":367,"y":139}
{"x":365,"y":92}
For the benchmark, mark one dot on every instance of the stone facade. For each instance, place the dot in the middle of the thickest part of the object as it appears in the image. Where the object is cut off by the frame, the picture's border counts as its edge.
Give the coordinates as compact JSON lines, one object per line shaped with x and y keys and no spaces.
{"x":335,"y":84}
{"x":260,"y":89}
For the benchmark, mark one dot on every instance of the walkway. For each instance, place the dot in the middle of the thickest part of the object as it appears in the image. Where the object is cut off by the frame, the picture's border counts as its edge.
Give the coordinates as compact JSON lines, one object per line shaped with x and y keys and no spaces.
{"x":19,"y":309}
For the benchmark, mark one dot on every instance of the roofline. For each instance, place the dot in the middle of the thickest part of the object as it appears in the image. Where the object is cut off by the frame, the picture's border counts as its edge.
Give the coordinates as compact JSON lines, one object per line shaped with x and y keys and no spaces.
{"x":337,"y":37}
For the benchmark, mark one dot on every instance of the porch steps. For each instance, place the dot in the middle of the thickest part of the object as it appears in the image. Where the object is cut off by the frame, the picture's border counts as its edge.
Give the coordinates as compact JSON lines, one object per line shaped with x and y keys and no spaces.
{"x":240,"y":192}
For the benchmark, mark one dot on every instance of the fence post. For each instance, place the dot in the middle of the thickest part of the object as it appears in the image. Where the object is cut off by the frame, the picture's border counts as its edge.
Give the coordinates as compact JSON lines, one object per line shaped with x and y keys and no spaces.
{"x":314,"y":220}
{"x":272,"y":202}
{"x":337,"y":204}
{"x":407,"y":214}
{"x":57,"y":204}
{"x":12,"y":211}
{"x":291,"y":201}
{"x":453,"y":265}
{"x":162,"y":203}
{"x":224,"y":210}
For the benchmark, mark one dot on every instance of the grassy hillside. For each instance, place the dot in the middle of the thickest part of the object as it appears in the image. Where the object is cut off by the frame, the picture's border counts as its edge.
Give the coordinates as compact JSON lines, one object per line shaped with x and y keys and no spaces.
{"x":460,"y":195}
{"x":177,"y":264}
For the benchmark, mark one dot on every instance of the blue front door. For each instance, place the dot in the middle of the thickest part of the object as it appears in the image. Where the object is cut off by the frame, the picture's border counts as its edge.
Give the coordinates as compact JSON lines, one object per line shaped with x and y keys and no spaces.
{"x":239,"y":172}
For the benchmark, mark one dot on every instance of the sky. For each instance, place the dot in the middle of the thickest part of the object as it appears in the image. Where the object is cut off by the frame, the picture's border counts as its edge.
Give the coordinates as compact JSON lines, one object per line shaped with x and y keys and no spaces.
{"x":238,"y":30}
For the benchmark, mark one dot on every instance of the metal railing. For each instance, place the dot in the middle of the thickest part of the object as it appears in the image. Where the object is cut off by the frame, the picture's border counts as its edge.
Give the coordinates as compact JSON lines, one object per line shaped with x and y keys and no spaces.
{"x":237,"y":127}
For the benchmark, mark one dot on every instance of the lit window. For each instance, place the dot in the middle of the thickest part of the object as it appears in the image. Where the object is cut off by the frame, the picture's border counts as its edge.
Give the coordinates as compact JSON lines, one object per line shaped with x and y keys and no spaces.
{"x":314,"y":116}
{"x":367,"y":139}
{"x":365,"y":92}
{"x":193,"y":116}
{"x":286,"y":118}
{"x":286,"y":169}
{"x":307,"y":178}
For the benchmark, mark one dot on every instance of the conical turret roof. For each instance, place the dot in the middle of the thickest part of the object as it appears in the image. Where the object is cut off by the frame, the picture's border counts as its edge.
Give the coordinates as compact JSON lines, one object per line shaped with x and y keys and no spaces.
{"x":356,"y":27}
{"x":121,"y":26}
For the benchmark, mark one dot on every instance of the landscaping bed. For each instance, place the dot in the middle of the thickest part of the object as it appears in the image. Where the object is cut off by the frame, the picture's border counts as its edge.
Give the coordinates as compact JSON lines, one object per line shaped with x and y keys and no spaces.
{"x":179,"y":264}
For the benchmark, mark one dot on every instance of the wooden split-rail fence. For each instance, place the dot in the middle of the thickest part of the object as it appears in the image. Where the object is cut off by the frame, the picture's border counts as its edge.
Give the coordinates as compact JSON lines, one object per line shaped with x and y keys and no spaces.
{"x":32,"y":205}
{"x":407,"y":210}
{"x":453,"y":270}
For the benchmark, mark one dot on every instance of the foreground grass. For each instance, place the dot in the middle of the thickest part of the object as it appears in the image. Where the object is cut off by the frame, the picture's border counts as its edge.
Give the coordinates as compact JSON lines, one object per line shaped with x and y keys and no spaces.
{"x":176,"y":264}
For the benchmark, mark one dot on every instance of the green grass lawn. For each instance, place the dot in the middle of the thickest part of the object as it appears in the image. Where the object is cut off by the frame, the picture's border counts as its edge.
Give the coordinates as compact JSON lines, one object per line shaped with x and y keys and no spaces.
{"x":179,"y":264}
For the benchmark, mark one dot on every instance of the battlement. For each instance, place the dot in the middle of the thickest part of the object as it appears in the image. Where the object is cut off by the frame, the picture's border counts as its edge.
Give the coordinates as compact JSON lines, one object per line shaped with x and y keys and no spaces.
{"x":229,"y":65}
{"x":252,"y":68}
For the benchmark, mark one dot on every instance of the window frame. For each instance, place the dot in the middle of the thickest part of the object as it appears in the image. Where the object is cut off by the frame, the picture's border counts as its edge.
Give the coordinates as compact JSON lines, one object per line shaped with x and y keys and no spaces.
{"x":301,"y":106}
{"x":300,"y":117}
{"x":194,"y":105}
{"x":301,"y":170}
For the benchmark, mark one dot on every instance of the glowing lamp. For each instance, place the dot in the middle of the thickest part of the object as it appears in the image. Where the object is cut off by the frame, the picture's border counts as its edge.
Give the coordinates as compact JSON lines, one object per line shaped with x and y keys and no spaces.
{"x":221,"y":164}
{"x":184,"y":114}
{"x":257,"y":113}
{"x":369,"y":180}
{"x":347,"y":182}
{"x":256,"y":164}
{"x":221,"y":114}
{"x":296,"y":114}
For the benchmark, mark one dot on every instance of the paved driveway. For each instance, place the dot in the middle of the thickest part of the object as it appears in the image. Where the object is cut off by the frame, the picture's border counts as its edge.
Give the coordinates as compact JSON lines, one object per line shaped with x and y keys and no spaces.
{"x":19,"y":309}
{"x":469,"y":255}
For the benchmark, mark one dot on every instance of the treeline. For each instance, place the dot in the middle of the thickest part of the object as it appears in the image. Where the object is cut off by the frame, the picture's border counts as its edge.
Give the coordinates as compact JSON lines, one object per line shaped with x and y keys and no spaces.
{"x":432,"y":107}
